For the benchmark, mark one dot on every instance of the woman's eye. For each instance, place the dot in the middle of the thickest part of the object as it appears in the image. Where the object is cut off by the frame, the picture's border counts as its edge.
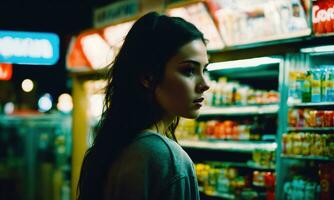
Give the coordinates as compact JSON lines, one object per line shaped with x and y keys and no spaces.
{"x":189,"y":71}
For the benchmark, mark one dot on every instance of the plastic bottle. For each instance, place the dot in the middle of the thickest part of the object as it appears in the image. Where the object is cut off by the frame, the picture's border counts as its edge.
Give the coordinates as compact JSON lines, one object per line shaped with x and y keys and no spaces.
{"x":324,"y":88}
{"x":292,"y":84}
{"x":300,"y":79}
{"x":330,"y":84}
{"x":316,"y":85}
{"x":306,"y":93}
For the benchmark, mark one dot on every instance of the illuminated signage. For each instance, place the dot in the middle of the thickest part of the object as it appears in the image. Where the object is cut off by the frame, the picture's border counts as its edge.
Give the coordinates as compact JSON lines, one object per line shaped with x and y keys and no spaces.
{"x":323,"y":17}
{"x":114,"y":11}
{"x":29,"y":48}
{"x":6,"y":71}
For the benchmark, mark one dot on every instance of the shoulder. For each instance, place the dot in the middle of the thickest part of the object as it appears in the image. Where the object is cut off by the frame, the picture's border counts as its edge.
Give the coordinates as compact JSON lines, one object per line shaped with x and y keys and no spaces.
{"x":163,"y":153}
{"x":157,"y":163}
{"x":157,"y":143}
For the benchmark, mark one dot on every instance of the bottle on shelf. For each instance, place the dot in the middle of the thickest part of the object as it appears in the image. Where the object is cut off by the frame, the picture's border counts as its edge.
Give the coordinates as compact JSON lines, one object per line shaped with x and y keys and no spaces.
{"x":227,"y":93}
{"x":315,"y":84}
{"x":308,"y":144}
{"x":241,"y":130}
{"x":310,"y":118}
{"x":225,"y":180}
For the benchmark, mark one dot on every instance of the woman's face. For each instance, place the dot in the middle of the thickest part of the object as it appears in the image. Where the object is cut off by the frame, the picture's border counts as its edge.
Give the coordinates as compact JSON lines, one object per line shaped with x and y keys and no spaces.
{"x":180,"y":93}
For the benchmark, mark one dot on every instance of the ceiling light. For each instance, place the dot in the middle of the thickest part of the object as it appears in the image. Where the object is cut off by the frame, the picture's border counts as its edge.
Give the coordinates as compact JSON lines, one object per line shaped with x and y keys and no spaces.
{"x":245,"y":63}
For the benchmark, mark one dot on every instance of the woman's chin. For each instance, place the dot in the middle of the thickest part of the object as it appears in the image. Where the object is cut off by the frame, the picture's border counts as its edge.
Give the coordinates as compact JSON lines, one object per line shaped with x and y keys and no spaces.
{"x":191,"y":115}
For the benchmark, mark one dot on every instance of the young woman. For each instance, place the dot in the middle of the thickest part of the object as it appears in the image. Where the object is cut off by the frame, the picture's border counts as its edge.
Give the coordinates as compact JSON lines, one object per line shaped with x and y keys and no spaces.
{"x":156,"y":77}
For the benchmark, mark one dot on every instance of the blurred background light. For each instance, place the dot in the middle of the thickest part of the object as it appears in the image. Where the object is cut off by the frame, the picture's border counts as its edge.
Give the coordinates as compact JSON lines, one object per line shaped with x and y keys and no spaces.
{"x":27,"y":85}
{"x":65,"y":103}
{"x":45,"y":103}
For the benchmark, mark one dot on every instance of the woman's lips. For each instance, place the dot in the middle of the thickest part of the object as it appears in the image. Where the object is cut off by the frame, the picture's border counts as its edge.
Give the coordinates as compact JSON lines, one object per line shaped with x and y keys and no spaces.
{"x":199,"y":100}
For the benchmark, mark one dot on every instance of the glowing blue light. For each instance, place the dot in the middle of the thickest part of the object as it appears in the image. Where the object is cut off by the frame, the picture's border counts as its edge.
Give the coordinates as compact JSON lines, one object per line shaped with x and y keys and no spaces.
{"x":45,"y":103}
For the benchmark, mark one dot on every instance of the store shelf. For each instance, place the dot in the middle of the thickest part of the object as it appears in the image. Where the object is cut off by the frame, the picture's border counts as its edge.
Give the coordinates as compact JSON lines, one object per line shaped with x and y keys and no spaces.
{"x":33,"y":118}
{"x":234,"y":164}
{"x":233,"y":146}
{"x":253,"y":165}
{"x":249,"y":164}
{"x":311,"y":129}
{"x":300,"y":157}
{"x":240,"y":110}
{"x":305,"y":105}
{"x":219,"y":195}
{"x":317,"y":35}
{"x":274,"y":38}
{"x":224,"y":196}
{"x":269,"y":48}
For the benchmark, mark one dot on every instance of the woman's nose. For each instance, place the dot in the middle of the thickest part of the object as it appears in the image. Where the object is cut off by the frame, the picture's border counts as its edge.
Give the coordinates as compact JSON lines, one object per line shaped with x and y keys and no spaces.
{"x":203,"y":86}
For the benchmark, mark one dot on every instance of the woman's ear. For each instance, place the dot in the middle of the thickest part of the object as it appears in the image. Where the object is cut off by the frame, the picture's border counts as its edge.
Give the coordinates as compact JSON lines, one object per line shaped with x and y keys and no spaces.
{"x":147,"y":81}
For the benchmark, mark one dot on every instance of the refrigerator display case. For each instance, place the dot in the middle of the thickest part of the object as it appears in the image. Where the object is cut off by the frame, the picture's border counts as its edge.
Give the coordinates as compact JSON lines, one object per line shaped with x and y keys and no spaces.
{"x":35,"y":153}
{"x":307,"y":144}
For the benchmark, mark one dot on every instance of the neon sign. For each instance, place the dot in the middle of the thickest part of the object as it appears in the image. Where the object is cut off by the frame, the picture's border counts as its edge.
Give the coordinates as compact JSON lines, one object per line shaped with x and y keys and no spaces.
{"x":29,"y":48}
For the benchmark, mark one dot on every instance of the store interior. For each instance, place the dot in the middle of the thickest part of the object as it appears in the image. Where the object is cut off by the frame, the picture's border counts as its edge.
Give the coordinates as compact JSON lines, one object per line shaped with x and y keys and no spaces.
{"x":266,"y":130}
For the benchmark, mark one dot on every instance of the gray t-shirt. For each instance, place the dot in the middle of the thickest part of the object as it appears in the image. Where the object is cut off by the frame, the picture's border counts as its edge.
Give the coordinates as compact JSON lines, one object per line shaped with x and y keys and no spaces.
{"x":153,"y":167}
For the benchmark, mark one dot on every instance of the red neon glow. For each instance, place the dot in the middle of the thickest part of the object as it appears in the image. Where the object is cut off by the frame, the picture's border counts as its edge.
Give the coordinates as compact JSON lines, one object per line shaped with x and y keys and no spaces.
{"x":6,"y":71}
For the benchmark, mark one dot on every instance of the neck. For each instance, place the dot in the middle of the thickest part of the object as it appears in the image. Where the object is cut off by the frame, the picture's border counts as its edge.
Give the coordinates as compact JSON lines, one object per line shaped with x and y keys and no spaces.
{"x":162,"y":125}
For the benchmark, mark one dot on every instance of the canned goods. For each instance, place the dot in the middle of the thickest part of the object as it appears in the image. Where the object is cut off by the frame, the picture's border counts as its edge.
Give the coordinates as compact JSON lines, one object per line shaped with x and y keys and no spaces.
{"x":319,"y":118}
{"x":328,"y":119}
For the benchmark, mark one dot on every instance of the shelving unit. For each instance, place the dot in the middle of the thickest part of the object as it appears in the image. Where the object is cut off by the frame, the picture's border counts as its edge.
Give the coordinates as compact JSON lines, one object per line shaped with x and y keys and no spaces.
{"x":234,"y":146}
{"x":313,"y":105}
{"x":311,"y":129}
{"x":253,"y":165}
{"x":216,"y":195}
{"x":240,"y":110}
{"x":290,"y":166}
{"x":224,"y":196}
{"x":315,"y":158}
{"x":29,"y":141}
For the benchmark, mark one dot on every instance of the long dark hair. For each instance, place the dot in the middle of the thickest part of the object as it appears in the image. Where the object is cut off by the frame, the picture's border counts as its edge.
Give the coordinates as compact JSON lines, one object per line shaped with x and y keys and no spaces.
{"x":129,"y":107}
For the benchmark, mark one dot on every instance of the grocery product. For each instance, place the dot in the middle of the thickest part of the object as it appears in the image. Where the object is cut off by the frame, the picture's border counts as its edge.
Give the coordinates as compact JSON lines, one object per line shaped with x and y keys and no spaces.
{"x":330,"y":84}
{"x":312,"y":85}
{"x":217,"y":129}
{"x":307,"y":85}
{"x":316,"y":85}
{"x":263,"y":158}
{"x":301,"y":188}
{"x":308,"y":144}
{"x":302,"y":118}
{"x":243,"y":21}
{"x":223,"y":92}
{"x":220,"y":178}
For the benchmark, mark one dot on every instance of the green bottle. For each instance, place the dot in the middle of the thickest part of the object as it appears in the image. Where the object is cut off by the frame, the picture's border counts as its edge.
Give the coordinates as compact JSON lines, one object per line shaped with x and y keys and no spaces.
{"x":306,"y":91}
